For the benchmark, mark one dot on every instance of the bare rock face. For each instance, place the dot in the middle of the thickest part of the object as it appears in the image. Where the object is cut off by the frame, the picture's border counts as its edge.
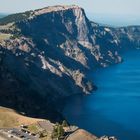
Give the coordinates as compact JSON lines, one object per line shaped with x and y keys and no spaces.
{"x":50,"y":52}
{"x":81,"y":135}
{"x":107,"y":138}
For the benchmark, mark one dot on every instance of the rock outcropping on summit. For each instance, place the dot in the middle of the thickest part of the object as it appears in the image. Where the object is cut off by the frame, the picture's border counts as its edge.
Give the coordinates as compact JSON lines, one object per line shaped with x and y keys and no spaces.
{"x":46,"y":54}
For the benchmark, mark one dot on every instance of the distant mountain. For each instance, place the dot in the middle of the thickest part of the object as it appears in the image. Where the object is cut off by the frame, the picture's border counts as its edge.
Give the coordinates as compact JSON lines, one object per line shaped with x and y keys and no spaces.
{"x":2,"y":15}
{"x":114,"y":20}
{"x":45,"y":56}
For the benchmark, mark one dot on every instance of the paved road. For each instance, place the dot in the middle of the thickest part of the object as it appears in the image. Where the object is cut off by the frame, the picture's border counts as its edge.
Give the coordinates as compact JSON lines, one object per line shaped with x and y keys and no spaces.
{"x":5,"y":137}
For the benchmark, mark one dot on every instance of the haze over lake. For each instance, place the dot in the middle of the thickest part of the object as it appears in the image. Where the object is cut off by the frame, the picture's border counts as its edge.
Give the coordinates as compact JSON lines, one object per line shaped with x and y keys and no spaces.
{"x":2,"y":15}
{"x":114,"y":108}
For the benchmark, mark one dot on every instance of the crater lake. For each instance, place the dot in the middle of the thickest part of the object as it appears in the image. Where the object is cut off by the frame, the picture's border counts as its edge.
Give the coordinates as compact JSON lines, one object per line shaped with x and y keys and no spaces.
{"x":114,"y":109}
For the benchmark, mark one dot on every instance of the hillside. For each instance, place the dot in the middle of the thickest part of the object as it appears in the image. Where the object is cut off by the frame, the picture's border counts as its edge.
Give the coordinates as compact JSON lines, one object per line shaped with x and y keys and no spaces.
{"x":45,"y":56}
{"x":13,"y":17}
{"x":9,"y":119}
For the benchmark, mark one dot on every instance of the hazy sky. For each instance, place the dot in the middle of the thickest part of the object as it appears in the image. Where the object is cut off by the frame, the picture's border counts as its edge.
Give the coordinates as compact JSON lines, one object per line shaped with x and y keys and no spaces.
{"x":93,"y":6}
{"x":130,"y":9}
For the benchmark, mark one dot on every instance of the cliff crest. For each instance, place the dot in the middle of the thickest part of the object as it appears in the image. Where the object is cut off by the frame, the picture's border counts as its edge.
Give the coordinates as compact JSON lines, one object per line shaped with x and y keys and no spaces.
{"x":47,"y":53}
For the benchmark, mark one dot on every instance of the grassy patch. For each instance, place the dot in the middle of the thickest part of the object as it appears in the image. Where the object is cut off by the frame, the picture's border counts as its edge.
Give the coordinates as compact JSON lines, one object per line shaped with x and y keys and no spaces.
{"x":4,"y":36}
{"x":7,"y":121}
{"x":9,"y":118}
{"x":33,"y":128}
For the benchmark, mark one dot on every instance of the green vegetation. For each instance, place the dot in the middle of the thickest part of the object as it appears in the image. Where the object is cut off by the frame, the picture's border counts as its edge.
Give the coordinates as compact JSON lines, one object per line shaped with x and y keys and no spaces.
{"x":33,"y":128}
{"x":14,"y":18}
{"x":16,"y":35}
{"x":4,"y":36}
{"x":44,"y":134}
{"x":58,"y":131}
{"x":65,"y":124}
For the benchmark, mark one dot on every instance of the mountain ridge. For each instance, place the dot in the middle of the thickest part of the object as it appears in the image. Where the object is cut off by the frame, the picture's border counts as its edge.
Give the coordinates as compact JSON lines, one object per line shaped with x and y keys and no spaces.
{"x":45,"y":57}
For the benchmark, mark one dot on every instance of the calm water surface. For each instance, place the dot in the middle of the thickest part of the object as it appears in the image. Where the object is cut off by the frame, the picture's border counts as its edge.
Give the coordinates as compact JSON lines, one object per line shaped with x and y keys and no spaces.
{"x":114,"y":109}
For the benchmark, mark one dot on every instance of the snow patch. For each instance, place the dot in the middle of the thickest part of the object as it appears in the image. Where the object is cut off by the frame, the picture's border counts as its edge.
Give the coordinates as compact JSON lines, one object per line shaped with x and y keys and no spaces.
{"x":107,"y":29}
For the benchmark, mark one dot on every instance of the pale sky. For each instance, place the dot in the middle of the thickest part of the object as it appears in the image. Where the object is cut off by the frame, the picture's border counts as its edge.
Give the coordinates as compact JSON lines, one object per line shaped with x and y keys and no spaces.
{"x":93,"y":6}
{"x":123,"y":8}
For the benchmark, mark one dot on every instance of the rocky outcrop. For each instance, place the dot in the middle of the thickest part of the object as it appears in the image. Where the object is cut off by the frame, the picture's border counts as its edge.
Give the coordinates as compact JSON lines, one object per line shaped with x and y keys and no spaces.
{"x":107,"y":138}
{"x":81,"y":134}
{"x":50,"y":52}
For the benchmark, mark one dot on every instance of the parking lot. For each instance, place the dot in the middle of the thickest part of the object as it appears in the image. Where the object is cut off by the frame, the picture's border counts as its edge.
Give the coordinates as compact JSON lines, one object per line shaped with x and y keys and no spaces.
{"x":16,"y":134}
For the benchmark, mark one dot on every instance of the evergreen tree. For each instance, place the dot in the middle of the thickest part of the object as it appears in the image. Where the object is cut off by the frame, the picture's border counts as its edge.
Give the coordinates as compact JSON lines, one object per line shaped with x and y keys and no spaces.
{"x":60,"y":131}
{"x":64,"y":123}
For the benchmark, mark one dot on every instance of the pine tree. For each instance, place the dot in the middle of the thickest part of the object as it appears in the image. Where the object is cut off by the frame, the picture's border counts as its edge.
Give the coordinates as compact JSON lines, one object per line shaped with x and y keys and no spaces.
{"x":64,"y":123}
{"x":60,"y":131}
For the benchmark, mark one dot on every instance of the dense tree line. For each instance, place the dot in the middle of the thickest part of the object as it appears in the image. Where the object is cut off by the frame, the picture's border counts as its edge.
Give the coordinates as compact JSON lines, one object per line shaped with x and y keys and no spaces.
{"x":14,"y":18}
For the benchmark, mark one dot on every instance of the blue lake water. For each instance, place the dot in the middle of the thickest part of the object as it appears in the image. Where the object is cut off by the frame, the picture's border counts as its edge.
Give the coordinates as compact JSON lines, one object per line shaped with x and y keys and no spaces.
{"x":114,"y":109}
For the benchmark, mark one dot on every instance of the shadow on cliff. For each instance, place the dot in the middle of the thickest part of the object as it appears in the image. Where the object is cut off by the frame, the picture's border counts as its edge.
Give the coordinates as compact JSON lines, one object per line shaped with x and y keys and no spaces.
{"x":26,"y":101}
{"x":30,"y":90}
{"x":33,"y":91}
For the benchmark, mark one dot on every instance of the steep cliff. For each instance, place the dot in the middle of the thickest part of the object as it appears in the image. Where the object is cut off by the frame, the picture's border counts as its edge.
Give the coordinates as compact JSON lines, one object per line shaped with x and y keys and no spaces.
{"x":45,"y":55}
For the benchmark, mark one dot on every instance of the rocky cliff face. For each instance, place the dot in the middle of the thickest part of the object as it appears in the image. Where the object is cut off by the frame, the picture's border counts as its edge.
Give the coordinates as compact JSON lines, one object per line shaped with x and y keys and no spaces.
{"x":49,"y":52}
